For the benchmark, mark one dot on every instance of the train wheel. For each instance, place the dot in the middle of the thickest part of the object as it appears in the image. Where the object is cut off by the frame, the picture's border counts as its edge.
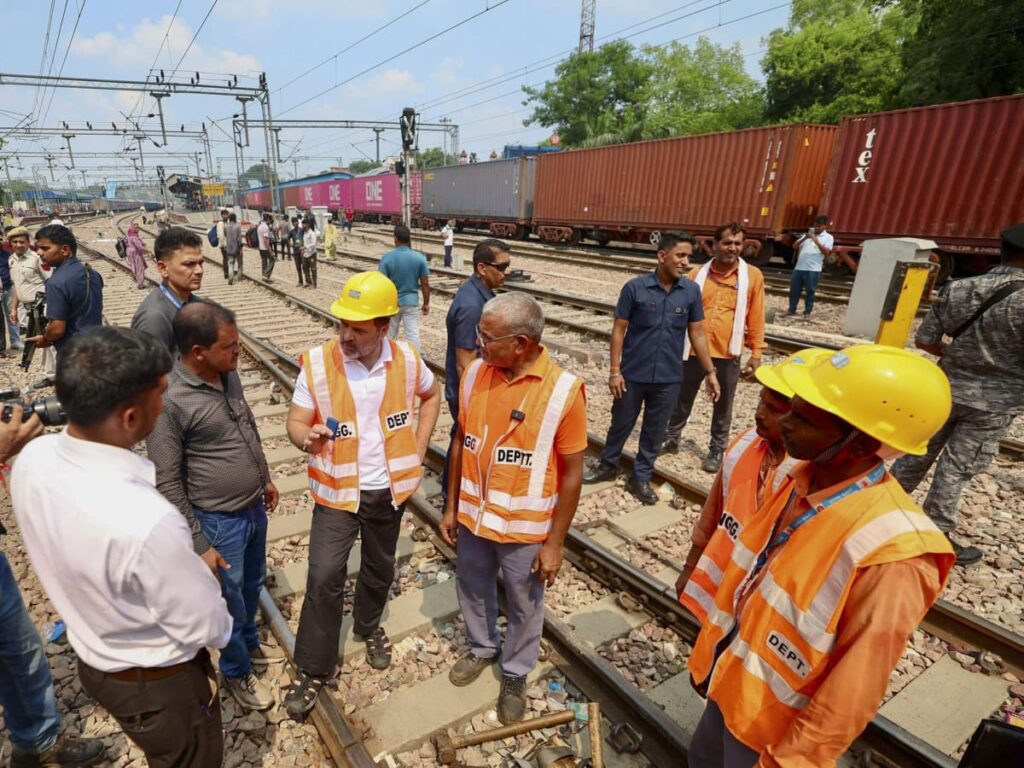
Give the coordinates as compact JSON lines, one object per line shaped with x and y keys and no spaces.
{"x":574,"y":238}
{"x":654,"y":237}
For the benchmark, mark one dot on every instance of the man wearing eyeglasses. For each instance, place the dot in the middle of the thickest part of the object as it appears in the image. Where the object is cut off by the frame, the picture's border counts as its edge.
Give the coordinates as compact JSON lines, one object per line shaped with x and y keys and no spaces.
{"x":491,"y":261}
{"x":516,"y":469}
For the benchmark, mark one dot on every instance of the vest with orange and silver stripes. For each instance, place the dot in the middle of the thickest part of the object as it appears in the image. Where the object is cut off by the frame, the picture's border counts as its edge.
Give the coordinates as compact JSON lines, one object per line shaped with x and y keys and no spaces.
{"x":741,"y":468}
{"x":763,"y":670}
{"x":521,"y":484}
{"x":334,"y":473}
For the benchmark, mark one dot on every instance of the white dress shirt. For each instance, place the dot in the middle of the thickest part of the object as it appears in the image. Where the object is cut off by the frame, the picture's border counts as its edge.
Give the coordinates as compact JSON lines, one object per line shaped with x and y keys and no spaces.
{"x":367,"y":388}
{"x":114,"y":556}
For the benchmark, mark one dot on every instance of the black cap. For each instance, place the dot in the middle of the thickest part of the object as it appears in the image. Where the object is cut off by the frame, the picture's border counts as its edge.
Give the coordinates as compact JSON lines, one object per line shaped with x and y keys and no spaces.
{"x":1014,"y":235}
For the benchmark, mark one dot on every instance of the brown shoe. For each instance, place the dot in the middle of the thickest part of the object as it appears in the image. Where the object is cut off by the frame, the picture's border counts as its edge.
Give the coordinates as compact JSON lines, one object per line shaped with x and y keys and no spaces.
{"x":65,"y":753}
{"x":512,"y":699}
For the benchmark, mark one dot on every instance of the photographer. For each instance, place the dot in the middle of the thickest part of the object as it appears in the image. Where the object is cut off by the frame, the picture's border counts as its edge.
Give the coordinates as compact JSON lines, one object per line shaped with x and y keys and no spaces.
{"x":146,"y":663}
{"x":26,"y":688}
{"x":74,"y":295}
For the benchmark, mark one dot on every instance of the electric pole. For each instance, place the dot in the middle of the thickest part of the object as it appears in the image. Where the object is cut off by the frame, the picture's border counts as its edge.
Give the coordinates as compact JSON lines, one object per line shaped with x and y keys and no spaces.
{"x":587,"y":26}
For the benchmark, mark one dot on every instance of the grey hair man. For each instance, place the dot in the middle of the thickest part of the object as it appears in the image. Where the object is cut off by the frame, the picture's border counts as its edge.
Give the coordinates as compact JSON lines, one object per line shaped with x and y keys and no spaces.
{"x":514,"y":477}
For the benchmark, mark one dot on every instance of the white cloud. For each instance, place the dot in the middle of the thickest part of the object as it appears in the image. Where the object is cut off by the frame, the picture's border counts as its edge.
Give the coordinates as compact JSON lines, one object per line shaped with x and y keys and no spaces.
{"x":447,"y":72}
{"x":391,"y":81}
{"x":135,"y":49}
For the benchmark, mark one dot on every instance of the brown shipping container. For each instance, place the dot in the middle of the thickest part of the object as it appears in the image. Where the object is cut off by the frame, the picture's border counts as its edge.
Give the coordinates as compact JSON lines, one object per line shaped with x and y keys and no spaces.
{"x":767,"y":178}
{"x":952,"y":173}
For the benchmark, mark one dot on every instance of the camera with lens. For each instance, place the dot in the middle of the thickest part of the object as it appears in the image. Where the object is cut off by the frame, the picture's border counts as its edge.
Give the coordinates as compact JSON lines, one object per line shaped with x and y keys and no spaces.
{"x":48,"y":409}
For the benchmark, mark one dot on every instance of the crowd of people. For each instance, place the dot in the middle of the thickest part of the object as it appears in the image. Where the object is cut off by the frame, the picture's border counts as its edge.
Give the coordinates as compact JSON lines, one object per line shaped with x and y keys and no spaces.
{"x":810,"y":565}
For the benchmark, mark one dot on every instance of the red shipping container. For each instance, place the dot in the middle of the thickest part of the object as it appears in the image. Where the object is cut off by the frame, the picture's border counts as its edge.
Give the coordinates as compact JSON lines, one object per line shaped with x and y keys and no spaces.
{"x":381,"y":195}
{"x":769,"y":179}
{"x":952,"y":173}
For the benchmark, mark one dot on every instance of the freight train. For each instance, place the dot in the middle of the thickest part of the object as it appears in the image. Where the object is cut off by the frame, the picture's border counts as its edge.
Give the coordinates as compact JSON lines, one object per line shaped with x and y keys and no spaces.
{"x":951,"y":173}
{"x":374,"y":197}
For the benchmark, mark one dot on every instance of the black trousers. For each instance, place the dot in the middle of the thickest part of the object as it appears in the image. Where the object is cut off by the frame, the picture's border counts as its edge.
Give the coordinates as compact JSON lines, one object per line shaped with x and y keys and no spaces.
{"x":266,"y":263}
{"x":224,"y":261}
{"x":377,"y":523}
{"x":656,"y":400}
{"x":728,"y":370}
{"x":297,"y":258}
{"x":174,"y":721}
{"x":309,"y":270}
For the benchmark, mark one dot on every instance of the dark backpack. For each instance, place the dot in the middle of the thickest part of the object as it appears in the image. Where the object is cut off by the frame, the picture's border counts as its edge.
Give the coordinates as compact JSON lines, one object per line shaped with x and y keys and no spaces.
{"x":252,"y":238}
{"x":121,"y":246}
{"x":212,"y":236}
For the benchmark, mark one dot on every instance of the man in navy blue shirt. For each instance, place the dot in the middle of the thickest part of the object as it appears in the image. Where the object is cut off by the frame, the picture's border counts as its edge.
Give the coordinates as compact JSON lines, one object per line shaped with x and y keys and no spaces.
{"x":653,"y":316}
{"x":491,"y":261}
{"x":74,"y":295}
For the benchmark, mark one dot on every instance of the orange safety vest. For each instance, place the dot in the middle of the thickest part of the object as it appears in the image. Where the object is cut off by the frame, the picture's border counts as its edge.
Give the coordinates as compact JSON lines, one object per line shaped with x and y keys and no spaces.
{"x":521,"y":484}
{"x":741,"y":469}
{"x":334,"y":472}
{"x":763,"y":672}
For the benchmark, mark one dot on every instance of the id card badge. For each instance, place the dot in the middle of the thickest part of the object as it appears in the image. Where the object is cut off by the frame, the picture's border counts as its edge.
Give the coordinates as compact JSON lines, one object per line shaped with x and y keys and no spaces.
{"x":335,"y":426}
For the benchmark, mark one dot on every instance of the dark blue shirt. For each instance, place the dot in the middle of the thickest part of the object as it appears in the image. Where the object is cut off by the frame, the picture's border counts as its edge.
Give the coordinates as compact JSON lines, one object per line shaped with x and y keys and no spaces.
{"x":652,"y":352}
{"x":5,"y":269}
{"x":463,"y":318}
{"x":67,"y":299}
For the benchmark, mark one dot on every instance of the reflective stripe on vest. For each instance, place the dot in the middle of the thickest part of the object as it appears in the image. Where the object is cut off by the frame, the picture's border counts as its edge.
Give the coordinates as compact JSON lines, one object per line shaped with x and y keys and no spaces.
{"x":334,"y":473}
{"x":515,"y":502}
{"x":780,"y":652}
{"x":739,"y":501}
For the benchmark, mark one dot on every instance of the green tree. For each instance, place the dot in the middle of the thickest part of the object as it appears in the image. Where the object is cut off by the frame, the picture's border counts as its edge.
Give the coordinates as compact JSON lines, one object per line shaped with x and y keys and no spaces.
{"x":610,"y":81}
{"x":362,"y":166}
{"x":434,"y":157}
{"x":963,"y":49}
{"x":259,"y":173}
{"x":835,"y":58}
{"x":700,"y":89}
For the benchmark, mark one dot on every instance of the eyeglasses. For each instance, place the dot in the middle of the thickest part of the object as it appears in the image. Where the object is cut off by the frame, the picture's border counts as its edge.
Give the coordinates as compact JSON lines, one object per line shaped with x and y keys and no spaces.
{"x":485,"y":339}
{"x":500,"y":266}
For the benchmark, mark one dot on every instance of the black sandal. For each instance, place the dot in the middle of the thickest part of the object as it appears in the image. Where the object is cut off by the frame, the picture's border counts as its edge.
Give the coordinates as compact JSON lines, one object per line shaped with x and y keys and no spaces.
{"x":378,"y":649}
{"x":301,"y":696}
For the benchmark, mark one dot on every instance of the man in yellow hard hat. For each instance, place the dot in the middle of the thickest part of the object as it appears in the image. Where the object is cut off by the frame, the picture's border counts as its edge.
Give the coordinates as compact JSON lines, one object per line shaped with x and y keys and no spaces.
{"x":830,"y":577}
{"x":352,"y":413}
{"x":755,"y":464}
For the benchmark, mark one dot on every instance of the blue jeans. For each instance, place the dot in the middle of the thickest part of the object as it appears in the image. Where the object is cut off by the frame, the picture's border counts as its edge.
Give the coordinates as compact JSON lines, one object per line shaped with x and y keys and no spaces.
{"x":657,"y":401}
{"x":12,"y":328}
{"x":26,"y":689}
{"x":803,"y":279}
{"x":241,"y":539}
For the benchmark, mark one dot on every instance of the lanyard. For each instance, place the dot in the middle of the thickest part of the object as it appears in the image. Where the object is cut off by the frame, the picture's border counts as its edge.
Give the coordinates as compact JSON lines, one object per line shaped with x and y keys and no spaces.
{"x":170,"y":296}
{"x":871,"y":478}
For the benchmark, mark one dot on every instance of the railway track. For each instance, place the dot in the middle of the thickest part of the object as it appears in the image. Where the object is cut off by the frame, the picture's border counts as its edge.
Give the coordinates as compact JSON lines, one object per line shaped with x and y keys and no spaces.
{"x":633,"y":595}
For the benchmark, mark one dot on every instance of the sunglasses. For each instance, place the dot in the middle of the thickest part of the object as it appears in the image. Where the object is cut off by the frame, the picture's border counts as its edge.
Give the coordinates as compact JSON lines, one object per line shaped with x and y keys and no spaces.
{"x":500,"y":266}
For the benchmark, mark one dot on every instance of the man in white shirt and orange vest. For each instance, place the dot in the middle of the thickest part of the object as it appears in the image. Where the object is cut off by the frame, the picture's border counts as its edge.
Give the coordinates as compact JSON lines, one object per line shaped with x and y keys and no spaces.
{"x":514,"y":478}
{"x":755,"y":465}
{"x":352,"y":412}
{"x":828,"y":580}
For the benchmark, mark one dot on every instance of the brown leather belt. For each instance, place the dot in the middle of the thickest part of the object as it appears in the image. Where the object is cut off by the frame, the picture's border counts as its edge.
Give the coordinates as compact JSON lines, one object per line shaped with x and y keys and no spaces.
{"x":149,"y":674}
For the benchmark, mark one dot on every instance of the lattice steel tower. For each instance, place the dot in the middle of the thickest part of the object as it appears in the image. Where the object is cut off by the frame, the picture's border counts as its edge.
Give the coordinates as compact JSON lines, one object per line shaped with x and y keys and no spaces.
{"x":587,"y":26}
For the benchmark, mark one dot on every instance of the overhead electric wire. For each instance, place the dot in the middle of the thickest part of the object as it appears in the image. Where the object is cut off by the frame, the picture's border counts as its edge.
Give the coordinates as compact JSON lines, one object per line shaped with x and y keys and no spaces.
{"x":67,"y":50}
{"x":349,"y":47}
{"x":193,"y":40}
{"x":395,"y":56}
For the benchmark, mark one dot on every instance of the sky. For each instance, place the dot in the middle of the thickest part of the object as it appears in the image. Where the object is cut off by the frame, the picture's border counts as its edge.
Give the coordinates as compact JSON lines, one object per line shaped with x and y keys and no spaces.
{"x":463,"y":60}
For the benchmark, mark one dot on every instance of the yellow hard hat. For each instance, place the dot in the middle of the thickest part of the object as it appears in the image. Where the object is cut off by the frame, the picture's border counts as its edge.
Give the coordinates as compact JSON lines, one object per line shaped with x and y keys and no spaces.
{"x":893,"y":395}
{"x":366,"y":295}
{"x":771,"y":375}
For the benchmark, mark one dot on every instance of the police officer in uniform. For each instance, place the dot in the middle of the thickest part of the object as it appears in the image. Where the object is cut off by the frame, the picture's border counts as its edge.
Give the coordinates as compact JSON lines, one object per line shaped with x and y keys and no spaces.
{"x":983,"y":318}
{"x":352,"y":412}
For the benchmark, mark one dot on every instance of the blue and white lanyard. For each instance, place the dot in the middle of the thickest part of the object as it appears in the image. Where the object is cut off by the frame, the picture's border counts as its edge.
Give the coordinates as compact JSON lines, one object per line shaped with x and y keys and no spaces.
{"x":871,"y":478}
{"x":171,"y":297}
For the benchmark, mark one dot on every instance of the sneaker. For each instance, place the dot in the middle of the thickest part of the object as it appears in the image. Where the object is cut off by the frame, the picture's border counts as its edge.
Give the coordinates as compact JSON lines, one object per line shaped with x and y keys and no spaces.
{"x":713,"y":462}
{"x":250,"y":693}
{"x":603,"y":471}
{"x":266,"y":654}
{"x":512,"y":699}
{"x":642,"y":491}
{"x":965,"y":555}
{"x":66,"y":752}
{"x":18,"y":347}
{"x":468,"y":668}
{"x":378,"y":649}
{"x":43,"y":383}
{"x":669,"y":446}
